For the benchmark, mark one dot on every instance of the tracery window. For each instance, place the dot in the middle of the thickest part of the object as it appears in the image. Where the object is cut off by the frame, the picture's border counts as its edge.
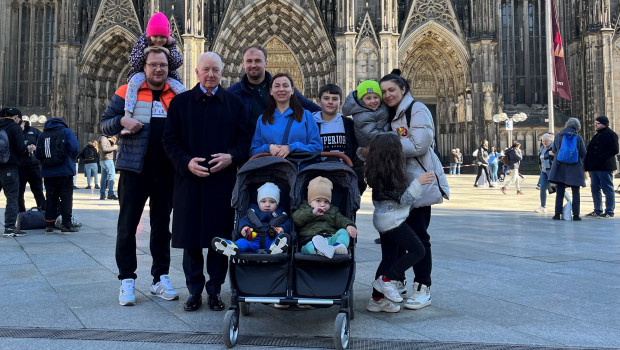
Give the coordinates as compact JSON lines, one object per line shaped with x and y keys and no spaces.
{"x":30,"y":60}
{"x":523,"y":48}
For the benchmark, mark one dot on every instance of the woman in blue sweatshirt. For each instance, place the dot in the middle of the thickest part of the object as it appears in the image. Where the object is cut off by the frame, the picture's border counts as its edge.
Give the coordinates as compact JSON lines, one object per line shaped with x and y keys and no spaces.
{"x":284,"y":109}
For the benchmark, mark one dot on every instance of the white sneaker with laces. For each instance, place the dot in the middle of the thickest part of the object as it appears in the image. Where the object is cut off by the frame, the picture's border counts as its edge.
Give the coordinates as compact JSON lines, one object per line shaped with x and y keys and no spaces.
{"x":163,"y":289}
{"x":420,"y":298}
{"x":322,"y":247}
{"x":401,"y":287}
{"x":127,"y":295}
{"x":280,"y":245}
{"x":388,"y":289}
{"x":382,"y":305}
{"x":541,"y":210}
{"x":340,"y":249}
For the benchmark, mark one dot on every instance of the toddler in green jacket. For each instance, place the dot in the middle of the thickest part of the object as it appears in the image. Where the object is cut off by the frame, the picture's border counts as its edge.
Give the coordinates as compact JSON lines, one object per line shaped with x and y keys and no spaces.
{"x":322,"y":229}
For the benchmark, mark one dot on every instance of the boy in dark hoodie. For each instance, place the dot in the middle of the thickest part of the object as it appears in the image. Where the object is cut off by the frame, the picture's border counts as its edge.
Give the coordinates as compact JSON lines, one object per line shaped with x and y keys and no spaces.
{"x":12,"y":147}
{"x":57,"y":148}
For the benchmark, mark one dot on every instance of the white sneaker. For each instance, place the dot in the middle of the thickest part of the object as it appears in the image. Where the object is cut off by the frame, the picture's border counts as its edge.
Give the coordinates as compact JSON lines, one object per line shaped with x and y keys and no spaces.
{"x":322,"y":247}
{"x":382,"y":305}
{"x":388,"y":289}
{"x":280,"y":245}
{"x":340,"y":249}
{"x":420,"y":298}
{"x":541,"y":210}
{"x":127,"y":295}
{"x":163,"y":289}
{"x":401,"y":287}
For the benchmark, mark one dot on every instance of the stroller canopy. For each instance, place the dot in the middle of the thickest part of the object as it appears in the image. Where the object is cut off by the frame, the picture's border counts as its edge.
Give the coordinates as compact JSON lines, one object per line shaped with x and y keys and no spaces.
{"x":260,"y":170}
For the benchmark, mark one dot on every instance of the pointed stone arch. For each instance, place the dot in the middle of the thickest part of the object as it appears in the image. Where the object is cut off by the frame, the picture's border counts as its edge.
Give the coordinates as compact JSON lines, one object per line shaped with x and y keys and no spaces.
{"x":367,"y":52}
{"x":264,"y":19}
{"x":434,"y":51}
{"x":282,"y":60}
{"x":106,"y":57}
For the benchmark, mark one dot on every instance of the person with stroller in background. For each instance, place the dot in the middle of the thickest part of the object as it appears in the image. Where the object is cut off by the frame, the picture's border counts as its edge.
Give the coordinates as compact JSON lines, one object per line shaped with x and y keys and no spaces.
{"x":266,"y":215}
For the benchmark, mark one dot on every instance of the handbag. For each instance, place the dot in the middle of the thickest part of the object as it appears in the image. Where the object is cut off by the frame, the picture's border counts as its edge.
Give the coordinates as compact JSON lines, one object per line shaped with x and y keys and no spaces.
{"x":33,"y":219}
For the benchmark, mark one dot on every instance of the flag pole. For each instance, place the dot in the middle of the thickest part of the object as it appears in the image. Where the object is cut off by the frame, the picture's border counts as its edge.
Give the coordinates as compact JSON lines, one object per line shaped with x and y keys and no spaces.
{"x":550,"y":62}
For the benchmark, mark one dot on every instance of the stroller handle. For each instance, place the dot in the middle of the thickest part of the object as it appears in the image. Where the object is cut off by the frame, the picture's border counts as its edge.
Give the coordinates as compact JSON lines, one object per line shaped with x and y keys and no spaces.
{"x":342,"y":156}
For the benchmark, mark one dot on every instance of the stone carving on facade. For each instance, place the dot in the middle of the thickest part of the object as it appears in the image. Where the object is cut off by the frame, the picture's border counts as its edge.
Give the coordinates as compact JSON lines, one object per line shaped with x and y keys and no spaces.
{"x":433,"y":10}
{"x":282,"y":60}
{"x":451,"y":108}
{"x":487,"y":104}
{"x":461,"y":109}
{"x":468,"y":109}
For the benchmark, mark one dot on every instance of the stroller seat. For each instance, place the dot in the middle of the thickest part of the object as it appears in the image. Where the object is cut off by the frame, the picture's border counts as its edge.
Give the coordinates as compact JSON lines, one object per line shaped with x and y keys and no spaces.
{"x":337,"y":259}
{"x":282,"y":257}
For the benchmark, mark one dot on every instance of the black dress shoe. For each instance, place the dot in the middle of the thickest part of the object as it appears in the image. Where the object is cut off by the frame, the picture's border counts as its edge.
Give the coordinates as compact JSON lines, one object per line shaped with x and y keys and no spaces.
{"x":215,"y":302}
{"x":193,"y":302}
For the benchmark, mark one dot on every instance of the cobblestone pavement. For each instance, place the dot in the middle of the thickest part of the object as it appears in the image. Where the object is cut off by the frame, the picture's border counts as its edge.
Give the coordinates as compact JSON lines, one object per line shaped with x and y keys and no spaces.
{"x":503,"y":277}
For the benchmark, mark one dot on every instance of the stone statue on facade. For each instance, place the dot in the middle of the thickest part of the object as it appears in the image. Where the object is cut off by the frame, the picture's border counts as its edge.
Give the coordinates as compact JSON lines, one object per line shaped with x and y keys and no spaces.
{"x":461,"y":109}
{"x":487,"y":104}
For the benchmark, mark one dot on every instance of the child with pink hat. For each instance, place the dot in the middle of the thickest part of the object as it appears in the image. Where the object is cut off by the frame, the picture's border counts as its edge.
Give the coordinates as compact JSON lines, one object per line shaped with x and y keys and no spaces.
{"x":157,"y":34}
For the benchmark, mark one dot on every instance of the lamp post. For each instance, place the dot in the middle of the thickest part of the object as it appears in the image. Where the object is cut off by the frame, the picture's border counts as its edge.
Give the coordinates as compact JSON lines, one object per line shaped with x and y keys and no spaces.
{"x":515,"y":118}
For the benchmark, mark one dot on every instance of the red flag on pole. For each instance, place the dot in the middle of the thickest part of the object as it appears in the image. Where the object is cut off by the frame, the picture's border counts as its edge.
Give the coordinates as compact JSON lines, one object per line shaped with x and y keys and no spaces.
{"x":560,"y":85}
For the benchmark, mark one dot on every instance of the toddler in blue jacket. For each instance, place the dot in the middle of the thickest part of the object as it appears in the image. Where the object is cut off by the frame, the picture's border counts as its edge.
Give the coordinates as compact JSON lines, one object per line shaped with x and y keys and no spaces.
{"x":266,"y":217}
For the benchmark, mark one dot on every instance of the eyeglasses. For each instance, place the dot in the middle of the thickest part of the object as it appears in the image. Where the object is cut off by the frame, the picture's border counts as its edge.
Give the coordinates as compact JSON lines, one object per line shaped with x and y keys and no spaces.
{"x":155,"y":65}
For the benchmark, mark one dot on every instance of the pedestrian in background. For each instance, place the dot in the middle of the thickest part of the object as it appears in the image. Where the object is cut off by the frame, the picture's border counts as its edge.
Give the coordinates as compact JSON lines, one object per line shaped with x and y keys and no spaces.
{"x":600,"y":161}
{"x":545,"y":159}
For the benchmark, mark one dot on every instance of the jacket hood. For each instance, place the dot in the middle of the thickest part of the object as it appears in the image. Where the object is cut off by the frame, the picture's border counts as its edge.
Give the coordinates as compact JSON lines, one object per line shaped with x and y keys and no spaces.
{"x":6,"y":121}
{"x":55,"y":123}
{"x":353,"y":106}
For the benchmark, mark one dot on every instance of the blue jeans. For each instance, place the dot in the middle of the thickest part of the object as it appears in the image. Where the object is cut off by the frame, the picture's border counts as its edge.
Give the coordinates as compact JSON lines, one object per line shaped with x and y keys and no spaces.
{"x":108,"y":167}
{"x":90,"y":169}
{"x":543,"y":182}
{"x":458,"y":168}
{"x":603,"y":180}
{"x":493,"y":171}
{"x":452,"y":168}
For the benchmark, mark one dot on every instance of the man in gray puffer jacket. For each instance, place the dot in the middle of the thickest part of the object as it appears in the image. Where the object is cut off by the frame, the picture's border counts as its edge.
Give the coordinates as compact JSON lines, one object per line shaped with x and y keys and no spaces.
{"x":370,"y":116}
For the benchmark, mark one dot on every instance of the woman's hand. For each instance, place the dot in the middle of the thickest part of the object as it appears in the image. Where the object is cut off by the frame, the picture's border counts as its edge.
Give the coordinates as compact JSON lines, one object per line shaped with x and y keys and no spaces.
{"x":352,"y":231}
{"x":426,"y":178}
{"x":279,"y":150}
{"x":195,"y":168}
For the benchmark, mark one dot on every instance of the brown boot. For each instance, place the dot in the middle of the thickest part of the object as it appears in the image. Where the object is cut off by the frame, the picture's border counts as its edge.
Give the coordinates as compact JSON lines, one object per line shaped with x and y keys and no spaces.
{"x":519,"y":192}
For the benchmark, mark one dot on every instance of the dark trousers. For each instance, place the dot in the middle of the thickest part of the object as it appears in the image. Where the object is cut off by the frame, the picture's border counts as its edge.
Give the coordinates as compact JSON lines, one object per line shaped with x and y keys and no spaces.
{"x":217,"y":266}
{"x":394,"y":263}
{"x":482,"y":167}
{"x":419,"y":219}
{"x":133,"y":191}
{"x":9,"y":182}
{"x":59,"y":194}
{"x":31,"y":174}
{"x":559,"y":198}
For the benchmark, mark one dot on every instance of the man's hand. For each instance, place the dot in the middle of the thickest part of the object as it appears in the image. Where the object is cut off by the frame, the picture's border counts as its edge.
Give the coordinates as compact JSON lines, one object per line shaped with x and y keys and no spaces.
{"x":221,"y":161}
{"x":131,"y":124}
{"x":318,"y":211}
{"x":352,"y":231}
{"x":196,"y":168}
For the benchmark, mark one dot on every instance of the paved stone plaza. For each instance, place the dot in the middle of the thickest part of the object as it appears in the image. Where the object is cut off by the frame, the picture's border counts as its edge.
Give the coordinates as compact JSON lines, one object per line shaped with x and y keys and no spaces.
{"x":504,"y":277}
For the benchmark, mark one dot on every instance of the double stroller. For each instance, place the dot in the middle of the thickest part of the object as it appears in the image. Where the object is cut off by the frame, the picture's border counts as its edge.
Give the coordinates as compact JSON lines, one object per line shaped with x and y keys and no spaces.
{"x":292,"y":278}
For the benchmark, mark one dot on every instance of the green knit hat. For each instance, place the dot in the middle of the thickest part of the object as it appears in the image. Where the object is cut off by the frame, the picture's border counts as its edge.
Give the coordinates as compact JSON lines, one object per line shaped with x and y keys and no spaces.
{"x":368,"y":86}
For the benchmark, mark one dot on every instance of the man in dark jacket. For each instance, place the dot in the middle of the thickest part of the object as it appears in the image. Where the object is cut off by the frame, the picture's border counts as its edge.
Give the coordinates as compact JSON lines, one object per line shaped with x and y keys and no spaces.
{"x":29,"y":169}
{"x":58,"y":178}
{"x":253,"y":89}
{"x":206,"y":138}
{"x":145,"y":173}
{"x":600,"y":161}
{"x":9,"y":179}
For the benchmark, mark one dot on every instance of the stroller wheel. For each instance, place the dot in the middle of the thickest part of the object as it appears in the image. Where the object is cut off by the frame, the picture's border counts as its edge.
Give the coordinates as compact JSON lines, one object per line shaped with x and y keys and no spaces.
{"x":341,"y":331}
{"x":244,"y":308}
{"x":231,"y":328}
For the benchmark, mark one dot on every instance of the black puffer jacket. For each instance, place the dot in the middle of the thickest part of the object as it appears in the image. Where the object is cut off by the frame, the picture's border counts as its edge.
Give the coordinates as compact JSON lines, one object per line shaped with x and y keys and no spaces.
{"x":601,"y":151}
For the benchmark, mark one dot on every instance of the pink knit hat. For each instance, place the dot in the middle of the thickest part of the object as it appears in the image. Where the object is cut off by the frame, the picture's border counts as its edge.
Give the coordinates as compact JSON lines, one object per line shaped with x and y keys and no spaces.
{"x":158,"y":25}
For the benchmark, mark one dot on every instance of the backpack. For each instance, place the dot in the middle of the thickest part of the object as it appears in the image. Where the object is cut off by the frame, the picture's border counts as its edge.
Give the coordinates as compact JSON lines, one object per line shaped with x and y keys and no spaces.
{"x":5,"y":147}
{"x":507,"y":160}
{"x":53,"y":147}
{"x":568,"y":153}
{"x":90,"y":154}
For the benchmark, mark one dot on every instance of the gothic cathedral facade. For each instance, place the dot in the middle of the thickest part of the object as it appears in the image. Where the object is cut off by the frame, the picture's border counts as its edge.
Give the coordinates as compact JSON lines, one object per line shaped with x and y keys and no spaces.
{"x":466,"y":59}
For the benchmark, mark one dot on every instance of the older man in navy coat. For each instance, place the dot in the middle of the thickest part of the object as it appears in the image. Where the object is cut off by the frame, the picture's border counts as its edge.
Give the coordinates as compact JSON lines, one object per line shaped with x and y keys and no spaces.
{"x":206,"y":138}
